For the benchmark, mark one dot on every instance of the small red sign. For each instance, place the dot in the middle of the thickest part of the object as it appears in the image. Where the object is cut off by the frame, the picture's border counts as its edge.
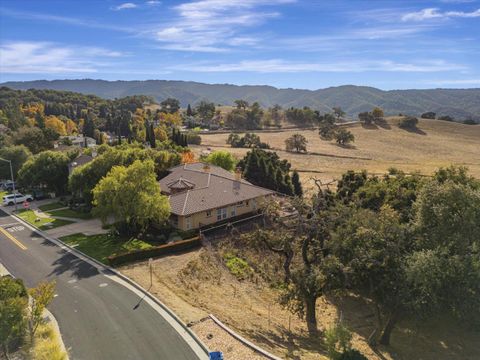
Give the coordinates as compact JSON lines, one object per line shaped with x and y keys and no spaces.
{"x":26,"y":204}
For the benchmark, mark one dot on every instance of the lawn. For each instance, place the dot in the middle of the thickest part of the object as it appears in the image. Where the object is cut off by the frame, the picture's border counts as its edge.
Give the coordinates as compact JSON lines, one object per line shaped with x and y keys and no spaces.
{"x":51,"y":206}
{"x":42,"y":223}
{"x":102,"y":246}
{"x":69,"y":213}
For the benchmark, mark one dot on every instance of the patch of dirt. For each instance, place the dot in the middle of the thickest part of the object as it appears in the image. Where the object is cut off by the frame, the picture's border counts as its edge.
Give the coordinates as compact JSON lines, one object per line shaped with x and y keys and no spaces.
{"x":198,"y":283}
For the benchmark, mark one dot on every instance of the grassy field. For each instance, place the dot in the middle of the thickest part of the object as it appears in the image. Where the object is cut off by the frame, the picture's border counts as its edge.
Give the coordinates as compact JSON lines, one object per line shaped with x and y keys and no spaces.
{"x":102,"y":246}
{"x":41,"y":222}
{"x":435,"y":144}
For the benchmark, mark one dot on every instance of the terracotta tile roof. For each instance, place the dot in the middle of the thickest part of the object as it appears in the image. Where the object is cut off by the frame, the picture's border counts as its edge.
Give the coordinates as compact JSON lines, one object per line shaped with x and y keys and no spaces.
{"x":215,"y":189}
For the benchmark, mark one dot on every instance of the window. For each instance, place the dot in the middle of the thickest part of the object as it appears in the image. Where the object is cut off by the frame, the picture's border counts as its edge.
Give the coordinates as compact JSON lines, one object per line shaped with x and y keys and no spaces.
{"x":188,"y":222}
{"x":221,"y":214}
{"x":247,"y":203}
{"x":209,"y":213}
{"x":233,"y":211}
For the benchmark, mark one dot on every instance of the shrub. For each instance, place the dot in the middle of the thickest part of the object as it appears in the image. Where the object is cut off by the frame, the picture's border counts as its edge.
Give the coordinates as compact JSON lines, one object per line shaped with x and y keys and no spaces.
{"x":193,"y":138}
{"x":344,"y":137}
{"x":428,"y":115}
{"x":237,"y":266}
{"x":408,"y":122}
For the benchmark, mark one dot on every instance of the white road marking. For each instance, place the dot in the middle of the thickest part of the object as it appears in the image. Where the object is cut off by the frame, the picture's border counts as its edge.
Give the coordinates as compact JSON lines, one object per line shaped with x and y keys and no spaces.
{"x":7,"y":225}
{"x":16,"y":228}
{"x":72,"y":281}
{"x":103,"y":285}
{"x":56,"y":295}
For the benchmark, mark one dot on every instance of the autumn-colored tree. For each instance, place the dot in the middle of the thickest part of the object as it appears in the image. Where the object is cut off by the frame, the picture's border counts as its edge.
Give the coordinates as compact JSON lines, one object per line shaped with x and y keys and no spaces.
{"x":57,"y":125}
{"x":160,"y":133}
{"x":171,"y":120}
{"x":188,"y":157}
{"x":41,"y":296}
{"x":70,"y":127}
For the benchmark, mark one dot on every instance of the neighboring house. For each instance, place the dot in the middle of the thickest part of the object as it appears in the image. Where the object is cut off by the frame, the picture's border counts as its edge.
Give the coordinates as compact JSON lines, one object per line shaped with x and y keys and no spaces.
{"x":79,"y":161}
{"x":79,"y":141}
{"x":202,"y":194}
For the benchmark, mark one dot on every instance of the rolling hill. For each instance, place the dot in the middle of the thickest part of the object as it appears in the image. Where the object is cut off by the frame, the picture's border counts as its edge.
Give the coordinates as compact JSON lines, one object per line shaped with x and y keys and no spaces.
{"x":459,"y":103}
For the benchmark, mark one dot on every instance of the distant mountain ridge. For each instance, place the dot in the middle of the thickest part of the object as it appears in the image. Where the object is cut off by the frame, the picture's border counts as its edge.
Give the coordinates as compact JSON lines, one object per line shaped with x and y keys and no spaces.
{"x":459,"y":103}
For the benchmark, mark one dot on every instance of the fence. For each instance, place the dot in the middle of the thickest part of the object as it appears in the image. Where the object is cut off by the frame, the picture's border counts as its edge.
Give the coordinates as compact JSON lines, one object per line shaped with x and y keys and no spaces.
{"x":237,"y":226}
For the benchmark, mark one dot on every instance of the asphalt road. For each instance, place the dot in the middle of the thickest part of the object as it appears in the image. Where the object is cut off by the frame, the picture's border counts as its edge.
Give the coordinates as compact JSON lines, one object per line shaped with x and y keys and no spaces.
{"x":99,"y":318}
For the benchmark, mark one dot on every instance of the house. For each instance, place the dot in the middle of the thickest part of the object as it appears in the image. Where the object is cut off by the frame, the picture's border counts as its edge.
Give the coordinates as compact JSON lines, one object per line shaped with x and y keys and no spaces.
{"x":78,"y":141}
{"x":202,"y":195}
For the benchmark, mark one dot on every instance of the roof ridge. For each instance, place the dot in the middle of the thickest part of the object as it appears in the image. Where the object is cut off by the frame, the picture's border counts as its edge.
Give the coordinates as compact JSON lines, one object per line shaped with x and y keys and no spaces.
{"x":185,"y":202}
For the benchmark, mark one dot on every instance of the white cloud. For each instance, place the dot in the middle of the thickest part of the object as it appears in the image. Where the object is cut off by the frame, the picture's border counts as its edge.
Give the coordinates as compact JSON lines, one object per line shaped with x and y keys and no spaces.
{"x":282,"y":66}
{"x":214,"y":25}
{"x":435,"y":13}
{"x":153,"y":3}
{"x":124,"y":6}
{"x":454,"y":82}
{"x":49,"y":58}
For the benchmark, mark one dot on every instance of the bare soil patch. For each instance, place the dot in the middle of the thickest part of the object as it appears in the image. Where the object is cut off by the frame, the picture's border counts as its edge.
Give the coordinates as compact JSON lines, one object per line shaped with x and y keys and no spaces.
{"x":198,"y":283}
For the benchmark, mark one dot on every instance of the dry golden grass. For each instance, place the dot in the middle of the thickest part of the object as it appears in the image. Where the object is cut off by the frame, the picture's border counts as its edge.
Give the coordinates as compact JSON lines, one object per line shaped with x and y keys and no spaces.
{"x":435,"y":144}
{"x":197,"y":283}
{"x":47,"y":344}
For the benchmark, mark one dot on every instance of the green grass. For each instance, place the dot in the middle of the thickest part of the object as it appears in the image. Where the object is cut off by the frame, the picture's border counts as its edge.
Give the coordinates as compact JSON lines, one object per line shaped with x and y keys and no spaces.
{"x":69,"y":213}
{"x":51,"y":206}
{"x":102,"y":246}
{"x":42,"y":223}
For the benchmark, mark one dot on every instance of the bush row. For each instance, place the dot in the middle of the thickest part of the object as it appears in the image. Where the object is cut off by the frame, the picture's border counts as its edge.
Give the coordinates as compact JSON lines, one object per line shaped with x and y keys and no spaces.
{"x":137,"y":255}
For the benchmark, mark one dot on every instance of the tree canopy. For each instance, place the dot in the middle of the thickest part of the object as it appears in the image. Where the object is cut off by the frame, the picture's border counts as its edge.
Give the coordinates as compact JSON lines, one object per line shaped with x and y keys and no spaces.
{"x":131,"y":195}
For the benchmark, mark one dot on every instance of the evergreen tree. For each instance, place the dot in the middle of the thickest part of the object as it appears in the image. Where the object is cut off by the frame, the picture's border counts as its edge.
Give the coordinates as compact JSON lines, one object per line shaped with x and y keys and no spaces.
{"x":89,"y":126}
{"x":189,"y":110}
{"x":153,"y":143}
{"x":279,"y":180}
{"x":288,"y":189}
{"x":40,"y":120}
{"x":297,"y":186}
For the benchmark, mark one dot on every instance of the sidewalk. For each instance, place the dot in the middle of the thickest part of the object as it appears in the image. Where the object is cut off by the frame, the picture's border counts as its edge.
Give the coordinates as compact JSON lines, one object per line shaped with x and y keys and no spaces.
{"x":87,"y":227}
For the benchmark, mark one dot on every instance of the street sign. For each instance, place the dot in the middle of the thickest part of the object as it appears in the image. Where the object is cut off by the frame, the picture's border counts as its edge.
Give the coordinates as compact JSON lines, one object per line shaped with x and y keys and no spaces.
{"x":26,"y":204}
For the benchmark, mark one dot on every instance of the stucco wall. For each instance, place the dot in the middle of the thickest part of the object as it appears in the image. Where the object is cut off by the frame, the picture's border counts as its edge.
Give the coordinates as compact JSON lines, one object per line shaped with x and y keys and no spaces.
{"x":203,"y":218}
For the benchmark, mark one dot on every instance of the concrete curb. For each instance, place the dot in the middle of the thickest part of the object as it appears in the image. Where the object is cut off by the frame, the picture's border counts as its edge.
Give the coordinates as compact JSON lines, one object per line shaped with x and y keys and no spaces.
{"x":104,"y":267}
{"x":243,"y":340}
{"x":54,"y":324}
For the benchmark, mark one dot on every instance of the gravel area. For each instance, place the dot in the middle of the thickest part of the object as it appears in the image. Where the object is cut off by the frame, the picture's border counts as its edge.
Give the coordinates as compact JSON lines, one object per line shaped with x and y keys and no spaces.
{"x":218,"y":339}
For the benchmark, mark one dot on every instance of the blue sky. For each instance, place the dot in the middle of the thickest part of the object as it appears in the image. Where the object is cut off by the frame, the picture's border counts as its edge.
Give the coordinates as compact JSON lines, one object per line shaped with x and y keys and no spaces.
{"x":284,"y":43}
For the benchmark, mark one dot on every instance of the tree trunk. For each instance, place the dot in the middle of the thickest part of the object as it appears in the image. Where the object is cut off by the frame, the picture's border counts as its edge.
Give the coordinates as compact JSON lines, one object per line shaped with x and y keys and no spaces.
{"x":389,"y":326}
{"x":311,"y":315}
{"x":286,"y":266}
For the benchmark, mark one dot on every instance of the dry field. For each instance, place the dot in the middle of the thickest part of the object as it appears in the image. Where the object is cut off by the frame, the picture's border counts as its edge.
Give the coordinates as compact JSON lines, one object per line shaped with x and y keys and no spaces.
{"x":196,"y":284}
{"x":435,"y":144}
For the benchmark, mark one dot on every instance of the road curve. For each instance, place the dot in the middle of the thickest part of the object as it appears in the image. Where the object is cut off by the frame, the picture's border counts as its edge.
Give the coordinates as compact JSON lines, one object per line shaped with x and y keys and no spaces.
{"x":100,"y":316}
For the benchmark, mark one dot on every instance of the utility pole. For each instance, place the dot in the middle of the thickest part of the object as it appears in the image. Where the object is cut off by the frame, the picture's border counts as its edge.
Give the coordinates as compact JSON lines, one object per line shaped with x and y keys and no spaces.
{"x":13,"y":182}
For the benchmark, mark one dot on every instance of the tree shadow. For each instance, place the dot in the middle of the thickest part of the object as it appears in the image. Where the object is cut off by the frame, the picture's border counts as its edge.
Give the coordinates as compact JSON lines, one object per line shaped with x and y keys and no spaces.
{"x":280,"y":337}
{"x":345,"y":146}
{"x":441,"y":338}
{"x":383,"y":124}
{"x":369,"y":126}
{"x":69,"y":263}
{"x":415,"y":130}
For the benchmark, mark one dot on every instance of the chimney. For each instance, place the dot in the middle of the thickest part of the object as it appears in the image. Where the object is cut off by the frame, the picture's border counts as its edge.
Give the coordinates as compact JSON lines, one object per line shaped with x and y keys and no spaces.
{"x":238,"y":174}
{"x":206,"y":168}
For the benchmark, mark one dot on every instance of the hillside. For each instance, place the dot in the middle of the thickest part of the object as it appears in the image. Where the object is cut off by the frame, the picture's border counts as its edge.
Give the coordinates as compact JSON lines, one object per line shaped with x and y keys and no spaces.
{"x":459,"y":103}
{"x":436,"y":144}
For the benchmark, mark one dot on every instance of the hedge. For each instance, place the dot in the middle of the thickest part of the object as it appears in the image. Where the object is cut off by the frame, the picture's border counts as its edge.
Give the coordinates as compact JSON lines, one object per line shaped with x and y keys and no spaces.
{"x":137,"y":255}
